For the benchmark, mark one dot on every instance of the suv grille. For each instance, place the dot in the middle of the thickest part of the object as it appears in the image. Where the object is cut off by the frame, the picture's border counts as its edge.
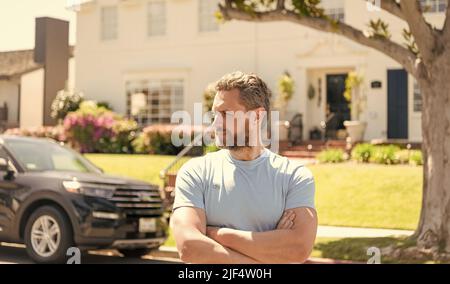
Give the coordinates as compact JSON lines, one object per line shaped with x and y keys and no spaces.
{"x":139,"y":200}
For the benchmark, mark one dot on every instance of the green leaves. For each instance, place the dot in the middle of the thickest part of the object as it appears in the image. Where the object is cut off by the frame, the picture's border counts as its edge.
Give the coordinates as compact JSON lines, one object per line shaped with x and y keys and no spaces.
{"x":379,"y":28}
{"x":410,"y":42}
{"x":308,"y":8}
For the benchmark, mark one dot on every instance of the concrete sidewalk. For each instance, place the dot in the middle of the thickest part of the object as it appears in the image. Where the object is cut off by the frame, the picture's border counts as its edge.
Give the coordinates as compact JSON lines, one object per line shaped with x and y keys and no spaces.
{"x":351,"y":232}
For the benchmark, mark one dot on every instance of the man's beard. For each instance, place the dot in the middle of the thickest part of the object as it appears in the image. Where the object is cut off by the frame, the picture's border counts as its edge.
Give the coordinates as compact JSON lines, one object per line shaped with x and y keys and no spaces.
{"x":236,"y":145}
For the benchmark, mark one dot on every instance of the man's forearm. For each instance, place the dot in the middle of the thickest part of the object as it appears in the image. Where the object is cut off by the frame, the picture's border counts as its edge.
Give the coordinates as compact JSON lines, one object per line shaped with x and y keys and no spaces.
{"x":279,"y":246}
{"x":201,"y":249}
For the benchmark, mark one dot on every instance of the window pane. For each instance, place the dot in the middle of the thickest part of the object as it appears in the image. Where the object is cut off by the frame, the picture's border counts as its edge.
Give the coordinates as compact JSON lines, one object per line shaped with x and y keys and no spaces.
{"x":417,"y":100}
{"x":207,"y":20}
{"x":156,"y":17}
{"x":164,"y":97}
{"x":334,"y":9}
{"x":434,"y":6}
{"x":109,"y":23}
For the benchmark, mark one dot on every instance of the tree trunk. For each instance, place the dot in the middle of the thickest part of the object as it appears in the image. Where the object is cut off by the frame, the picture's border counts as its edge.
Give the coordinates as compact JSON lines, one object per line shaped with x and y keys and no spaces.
{"x":433,"y":231}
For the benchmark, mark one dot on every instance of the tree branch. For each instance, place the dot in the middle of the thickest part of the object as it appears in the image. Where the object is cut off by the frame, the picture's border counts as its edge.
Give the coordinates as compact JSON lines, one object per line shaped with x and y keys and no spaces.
{"x":423,"y":33}
{"x":397,"y":52}
{"x":392,"y":7}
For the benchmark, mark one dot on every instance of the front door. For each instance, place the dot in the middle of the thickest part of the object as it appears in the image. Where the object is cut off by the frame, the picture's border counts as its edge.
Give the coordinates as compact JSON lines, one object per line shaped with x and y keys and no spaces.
{"x":397,"y":104}
{"x":338,"y":109}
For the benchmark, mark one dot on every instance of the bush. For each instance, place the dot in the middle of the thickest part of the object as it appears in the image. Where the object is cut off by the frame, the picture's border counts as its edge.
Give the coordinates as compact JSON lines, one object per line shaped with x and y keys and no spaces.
{"x":362,"y":152}
{"x":412,"y":157}
{"x":385,"y":155}
{"x":65,"y":101}
{"x":331,"y":156}
{"x":157,"y":139}
{"x":53,"y":132}
{"x":95,"y":129}
{"x":416,"y":158}
{"x":403,"y":156}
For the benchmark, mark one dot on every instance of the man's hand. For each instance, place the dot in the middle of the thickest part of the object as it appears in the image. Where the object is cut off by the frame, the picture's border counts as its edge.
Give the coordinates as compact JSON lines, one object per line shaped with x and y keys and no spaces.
{"x":287,"y":220}
{"x":291,"y":242}
{"x":189,"y":229}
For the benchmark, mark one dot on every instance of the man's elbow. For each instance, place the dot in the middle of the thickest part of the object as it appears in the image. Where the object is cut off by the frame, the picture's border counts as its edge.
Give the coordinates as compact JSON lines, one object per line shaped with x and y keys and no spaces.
{"x":189,"y":249}
{"x":301,"y":253}
{"x":186,"y":251}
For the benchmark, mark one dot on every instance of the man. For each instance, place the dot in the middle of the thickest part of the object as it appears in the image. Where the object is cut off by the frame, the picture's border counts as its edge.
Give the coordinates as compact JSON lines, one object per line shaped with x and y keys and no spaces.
{"x":243,"y":204}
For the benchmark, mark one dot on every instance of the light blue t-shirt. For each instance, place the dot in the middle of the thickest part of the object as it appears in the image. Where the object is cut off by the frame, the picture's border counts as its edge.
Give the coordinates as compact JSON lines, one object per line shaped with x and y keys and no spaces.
{"x":244,"y":195}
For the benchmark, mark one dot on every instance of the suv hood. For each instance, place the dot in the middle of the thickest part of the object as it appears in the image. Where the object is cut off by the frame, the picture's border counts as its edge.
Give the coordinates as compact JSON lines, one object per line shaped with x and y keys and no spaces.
{"x":92,"y":178}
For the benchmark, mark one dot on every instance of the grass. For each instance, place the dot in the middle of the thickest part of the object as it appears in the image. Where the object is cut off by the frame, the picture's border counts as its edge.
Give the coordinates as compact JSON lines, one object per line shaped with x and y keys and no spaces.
{"x":355,"y":249}
{"x":376,"y":196}
{"x":142,"y":167}
{"x":357,"y":195}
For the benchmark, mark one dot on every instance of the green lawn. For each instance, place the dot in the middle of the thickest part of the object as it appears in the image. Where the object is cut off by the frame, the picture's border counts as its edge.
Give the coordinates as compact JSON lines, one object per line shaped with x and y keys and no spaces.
{"x":368,"y":195}
{"x":346,"y":194}
{"x":143,"y":167}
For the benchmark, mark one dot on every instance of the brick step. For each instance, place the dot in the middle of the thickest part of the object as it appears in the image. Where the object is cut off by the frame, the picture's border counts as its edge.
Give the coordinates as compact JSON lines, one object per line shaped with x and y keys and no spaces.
{"x":299,"y":154}
{"x":305,"y":148}
{"x":312,"y":148}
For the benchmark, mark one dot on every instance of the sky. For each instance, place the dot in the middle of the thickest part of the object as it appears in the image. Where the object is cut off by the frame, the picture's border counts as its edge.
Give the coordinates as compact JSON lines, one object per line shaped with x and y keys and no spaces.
{"x":17,"y":21}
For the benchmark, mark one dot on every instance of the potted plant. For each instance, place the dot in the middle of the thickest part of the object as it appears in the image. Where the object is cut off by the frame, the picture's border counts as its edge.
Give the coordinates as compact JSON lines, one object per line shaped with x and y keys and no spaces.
{"x":357,"y":100}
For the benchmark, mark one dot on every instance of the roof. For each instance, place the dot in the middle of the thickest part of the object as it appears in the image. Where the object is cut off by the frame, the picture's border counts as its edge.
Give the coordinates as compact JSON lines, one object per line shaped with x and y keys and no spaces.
{"x":19,"y":62}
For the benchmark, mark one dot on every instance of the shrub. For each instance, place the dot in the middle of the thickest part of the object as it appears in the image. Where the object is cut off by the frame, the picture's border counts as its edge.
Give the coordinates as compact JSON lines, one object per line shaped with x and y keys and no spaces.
{"x":385,"y":155}
{"x":65,"y":101}
{"x":416,"y":158}
{"x":331,"y":156}
{"x":95,"y":129}
{"x":403,"y":156}
{"x":157,"y":139}
{"x":53,"y":132}
{"x":362,"y":152}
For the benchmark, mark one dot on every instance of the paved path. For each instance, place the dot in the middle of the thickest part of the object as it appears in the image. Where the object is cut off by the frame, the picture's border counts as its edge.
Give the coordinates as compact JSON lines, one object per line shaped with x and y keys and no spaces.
{"x":350,"y":232}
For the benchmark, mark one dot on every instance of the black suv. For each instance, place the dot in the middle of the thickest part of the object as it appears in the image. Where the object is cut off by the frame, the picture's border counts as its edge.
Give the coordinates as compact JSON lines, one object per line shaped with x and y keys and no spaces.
{"x":52,"y":199}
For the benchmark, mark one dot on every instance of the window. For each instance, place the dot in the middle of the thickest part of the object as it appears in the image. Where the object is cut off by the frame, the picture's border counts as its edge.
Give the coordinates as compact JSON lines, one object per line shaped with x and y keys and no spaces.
{"x":417,"y":98}
{"x":207,"y":20}
{"x":154,"y":101}
{"x":109,"y":23}
{"x":434,"y":6}
{"x":156,"y":18}
{"x":334,"y":9}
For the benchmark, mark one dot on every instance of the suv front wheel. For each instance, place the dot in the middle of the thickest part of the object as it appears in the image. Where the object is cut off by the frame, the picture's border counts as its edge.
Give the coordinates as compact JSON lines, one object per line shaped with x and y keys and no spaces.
{"x":48,"y":235}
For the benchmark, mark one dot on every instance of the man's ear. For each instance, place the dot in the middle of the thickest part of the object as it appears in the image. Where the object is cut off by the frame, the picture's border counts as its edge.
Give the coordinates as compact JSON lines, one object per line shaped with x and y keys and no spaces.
{"x":260,"y":114}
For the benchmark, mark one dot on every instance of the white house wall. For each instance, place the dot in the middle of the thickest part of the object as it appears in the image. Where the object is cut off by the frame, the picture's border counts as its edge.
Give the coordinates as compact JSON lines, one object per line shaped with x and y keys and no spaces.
{"x":9,"y":93}
{"x":32,"y":99}
{"x":268,"y":49}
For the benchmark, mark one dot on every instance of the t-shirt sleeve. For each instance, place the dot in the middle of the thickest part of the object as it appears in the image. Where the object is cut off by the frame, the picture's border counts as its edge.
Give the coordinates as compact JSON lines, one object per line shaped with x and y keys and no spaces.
{"x":189,"y":186}
{"x":301,"y":189}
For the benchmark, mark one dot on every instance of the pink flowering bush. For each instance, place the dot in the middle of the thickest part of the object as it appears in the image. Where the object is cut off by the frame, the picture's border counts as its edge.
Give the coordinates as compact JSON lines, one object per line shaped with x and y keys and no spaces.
{"x":53,"y":132}
{"x":94,"y":129}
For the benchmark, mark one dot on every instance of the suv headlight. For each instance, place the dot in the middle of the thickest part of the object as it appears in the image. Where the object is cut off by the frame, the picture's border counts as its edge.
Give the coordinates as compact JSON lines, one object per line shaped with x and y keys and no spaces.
{"x":89,"y":189}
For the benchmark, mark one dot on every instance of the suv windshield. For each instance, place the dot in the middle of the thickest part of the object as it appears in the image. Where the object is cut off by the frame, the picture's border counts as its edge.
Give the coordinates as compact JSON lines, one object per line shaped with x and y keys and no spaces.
{"x":48,"y":156}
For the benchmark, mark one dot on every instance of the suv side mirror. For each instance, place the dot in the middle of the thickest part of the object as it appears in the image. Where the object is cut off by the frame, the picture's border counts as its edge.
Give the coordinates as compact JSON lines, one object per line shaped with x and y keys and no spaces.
{"x":5,"y":167}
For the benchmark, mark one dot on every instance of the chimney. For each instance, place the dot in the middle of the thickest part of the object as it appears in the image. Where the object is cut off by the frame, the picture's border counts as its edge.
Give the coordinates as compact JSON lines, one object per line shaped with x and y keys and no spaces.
{"x":52,"y":51}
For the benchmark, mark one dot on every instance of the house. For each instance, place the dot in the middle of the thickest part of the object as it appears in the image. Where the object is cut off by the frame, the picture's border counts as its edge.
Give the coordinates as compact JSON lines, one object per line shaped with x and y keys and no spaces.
{"x":165,"y":52}
{"x":30,"y":79}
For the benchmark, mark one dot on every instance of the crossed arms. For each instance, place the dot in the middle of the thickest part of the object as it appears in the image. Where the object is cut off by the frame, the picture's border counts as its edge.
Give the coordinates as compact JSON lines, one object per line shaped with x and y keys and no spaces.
{"x":290,"y":242}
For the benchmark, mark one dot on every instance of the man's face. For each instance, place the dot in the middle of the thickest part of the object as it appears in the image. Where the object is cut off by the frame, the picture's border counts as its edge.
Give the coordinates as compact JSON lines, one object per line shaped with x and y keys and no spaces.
{"x":233,"y":122}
